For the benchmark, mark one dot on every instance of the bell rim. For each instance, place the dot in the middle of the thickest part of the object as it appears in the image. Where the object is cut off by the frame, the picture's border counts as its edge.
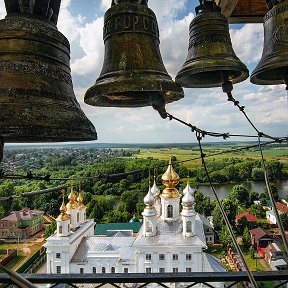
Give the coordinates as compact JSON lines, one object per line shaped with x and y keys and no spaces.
{"x":264,"y":67}
{"x":215,"y":65}
{"x":103,"y":90}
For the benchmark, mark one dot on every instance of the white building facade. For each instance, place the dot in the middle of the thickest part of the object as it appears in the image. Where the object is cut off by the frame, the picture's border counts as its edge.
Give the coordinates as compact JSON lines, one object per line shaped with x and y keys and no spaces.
{"x":171,"y":238}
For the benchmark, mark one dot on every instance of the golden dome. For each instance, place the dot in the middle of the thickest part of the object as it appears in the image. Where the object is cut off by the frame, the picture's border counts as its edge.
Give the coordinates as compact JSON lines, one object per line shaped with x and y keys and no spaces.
{"x":72,"y":204}
{"x":80,"y":200}
{"x":170,"y":179}
{"x":63,"y":215}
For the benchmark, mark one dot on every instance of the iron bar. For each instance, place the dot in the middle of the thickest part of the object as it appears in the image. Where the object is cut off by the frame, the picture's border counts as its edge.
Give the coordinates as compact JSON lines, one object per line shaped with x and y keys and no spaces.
{"x":197,"y":277}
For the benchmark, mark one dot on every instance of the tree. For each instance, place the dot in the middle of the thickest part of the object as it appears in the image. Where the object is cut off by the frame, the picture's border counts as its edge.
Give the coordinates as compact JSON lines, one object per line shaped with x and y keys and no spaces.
{"x":257,"y":174}
{"x":274,"y":191}
{"x":49,"y":230}
{"x":246,"y":238}
{"x":129,"y":199}
{"x":116,"y":216}
{"x":225,"y":237}
{"x":99,"y":206}
{"x":203,"y":204}
{"x":284,"y":220}
{"x":240,"y":194}
{"x":257,"y":210}
{"x":230,"y":207}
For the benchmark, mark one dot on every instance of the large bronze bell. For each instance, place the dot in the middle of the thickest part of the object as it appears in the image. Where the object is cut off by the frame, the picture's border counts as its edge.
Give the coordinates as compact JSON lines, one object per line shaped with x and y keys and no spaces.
{"x":133,"y":73}
{"x":36,"y":92}
{"x":272,"y":68}
{"x":211,"y":59}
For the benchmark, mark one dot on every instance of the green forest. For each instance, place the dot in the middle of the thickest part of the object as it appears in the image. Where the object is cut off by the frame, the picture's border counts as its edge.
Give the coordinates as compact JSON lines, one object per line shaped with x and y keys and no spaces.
{"x":116,"y":198}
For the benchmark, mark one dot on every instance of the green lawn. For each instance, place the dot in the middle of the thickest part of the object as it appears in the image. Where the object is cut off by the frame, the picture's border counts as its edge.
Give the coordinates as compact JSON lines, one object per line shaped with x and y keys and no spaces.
{"x":25,"y":250}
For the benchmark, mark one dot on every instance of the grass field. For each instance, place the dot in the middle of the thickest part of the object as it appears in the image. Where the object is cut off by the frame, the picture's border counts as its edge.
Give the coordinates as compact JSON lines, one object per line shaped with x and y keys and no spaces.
{"x":190,"y":158}
{"x":25,"y":250}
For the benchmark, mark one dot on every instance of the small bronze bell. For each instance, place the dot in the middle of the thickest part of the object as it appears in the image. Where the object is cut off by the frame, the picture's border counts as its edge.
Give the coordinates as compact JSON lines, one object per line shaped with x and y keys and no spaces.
{"x":133,"y":74}
{"x":272,"y":68}
{"x":36,"y":92}
{"x":211,"y":60}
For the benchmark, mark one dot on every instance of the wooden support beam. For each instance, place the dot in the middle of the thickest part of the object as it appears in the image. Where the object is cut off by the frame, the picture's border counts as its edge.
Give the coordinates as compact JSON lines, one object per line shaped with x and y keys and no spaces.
{"x":227,"y":6}
{"x":243,"y":11}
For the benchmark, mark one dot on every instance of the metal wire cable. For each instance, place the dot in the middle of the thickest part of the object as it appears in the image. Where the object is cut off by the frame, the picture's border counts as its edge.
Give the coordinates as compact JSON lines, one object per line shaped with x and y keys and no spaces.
{"x":273,"y":202}
{"x":33,"y":193}
{"x":227,"y":88}
{"x":252,"y":280}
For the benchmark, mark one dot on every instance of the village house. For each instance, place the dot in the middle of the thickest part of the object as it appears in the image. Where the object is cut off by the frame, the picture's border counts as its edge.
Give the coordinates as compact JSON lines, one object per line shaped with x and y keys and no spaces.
{"x":21,"y":224}
{"x":261,"y":238}
{"x":270,"y":215}
{"x":251,"y":219}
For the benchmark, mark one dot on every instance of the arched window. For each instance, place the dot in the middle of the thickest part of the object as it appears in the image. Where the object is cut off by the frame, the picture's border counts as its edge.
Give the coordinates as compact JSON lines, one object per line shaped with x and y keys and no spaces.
{"x":103,"y":270}
{"x":112,"y":269}
{"x":189,"y":226}
{"x":149,"y":226}
{"x":169,"y":211}
{"x":94,"y":270}
{"x":60,"y":229}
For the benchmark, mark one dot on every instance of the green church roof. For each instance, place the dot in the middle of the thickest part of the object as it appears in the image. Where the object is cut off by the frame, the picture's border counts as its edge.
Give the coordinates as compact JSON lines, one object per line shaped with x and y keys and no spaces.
{"x":101,"y":229}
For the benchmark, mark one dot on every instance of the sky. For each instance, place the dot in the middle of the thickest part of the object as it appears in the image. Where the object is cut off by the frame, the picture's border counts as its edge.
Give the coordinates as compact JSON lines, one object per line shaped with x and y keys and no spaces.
{"x":81,"y":21}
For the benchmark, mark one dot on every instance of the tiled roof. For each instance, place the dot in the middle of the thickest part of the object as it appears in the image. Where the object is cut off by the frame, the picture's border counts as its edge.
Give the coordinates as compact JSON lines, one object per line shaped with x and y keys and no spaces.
{"x":282,"y":208}
{"x":90,"y":246}
{"x":259,"y":233}
{"x":24,"y":214}
{"x":250,"y":217}
{"x":101,"y":229}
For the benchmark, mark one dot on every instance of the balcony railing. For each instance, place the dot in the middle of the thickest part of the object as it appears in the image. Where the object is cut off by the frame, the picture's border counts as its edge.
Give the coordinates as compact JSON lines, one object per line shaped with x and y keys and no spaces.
{"x":231,"y":279}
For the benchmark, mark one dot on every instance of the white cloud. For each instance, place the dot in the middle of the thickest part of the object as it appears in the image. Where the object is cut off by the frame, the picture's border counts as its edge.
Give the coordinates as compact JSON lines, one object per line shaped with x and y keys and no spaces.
{"x":248,"y":42}
{"x":105,"y":4}
{"x":208,"y":109}
{"x":2,"y":10}
{"x":68,"y":24}
{"x":91,"y":43}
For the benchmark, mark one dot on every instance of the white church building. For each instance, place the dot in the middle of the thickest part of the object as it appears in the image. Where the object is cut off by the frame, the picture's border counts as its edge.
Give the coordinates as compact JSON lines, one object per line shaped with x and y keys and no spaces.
{"x":171,"y":238}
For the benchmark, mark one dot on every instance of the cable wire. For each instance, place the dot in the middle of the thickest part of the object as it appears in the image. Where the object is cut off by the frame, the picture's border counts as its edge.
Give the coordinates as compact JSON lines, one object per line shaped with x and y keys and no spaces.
{"x":227,"y":88}
{"x":252,"y":280}
{"x":33,"y":193}
{"x":278,"y":218}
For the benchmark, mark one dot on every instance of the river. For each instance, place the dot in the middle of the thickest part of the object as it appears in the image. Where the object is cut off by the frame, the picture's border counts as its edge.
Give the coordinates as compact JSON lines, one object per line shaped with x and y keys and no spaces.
{"x":223,"y":190}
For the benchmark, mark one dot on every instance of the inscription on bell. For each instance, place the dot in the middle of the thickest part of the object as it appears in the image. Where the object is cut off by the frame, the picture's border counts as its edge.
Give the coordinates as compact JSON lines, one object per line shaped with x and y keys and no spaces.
{"x":280,"y":35}
{"x":130,"y":23}
{"x":275,"y":11}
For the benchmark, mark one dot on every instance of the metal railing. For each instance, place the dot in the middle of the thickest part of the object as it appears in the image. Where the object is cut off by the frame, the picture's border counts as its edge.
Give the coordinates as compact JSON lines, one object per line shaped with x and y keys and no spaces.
{"x":231,"y":279}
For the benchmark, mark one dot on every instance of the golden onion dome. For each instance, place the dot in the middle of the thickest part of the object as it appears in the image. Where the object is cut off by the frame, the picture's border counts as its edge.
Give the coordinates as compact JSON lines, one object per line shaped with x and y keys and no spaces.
{"x":80,"y":200}
{"x":63,"y":215}
{"x":170,"y":179}
{"x":72,"y":204}
{"x":170,"y":175}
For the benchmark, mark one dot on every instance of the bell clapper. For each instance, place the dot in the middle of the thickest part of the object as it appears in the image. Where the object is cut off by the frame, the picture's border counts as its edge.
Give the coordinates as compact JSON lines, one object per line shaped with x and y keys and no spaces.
{"x":158,"y":103}
{"x":227,"y":88}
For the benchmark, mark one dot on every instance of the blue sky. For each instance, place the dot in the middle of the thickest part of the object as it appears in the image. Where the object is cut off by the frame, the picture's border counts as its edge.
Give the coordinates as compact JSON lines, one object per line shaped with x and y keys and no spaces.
{"x":81,"y":21}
